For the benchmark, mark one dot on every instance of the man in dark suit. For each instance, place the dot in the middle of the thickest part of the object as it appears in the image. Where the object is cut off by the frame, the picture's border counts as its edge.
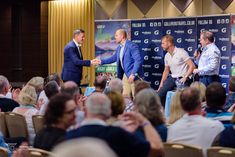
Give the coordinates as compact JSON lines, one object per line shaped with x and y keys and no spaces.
{"x":6,"y":104}
{"x":73,"y":59}
{"x":129,"y":61}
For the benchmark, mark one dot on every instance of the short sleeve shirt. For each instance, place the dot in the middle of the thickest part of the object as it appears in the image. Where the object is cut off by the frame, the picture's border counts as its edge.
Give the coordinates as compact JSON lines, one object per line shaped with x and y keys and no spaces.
{"x":177,"y":62}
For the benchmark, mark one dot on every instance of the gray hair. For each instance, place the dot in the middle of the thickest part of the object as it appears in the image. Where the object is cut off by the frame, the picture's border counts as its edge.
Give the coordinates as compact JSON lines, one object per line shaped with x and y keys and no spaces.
{"x":3,"y":83}
{"x":98,"y":104}
{"x":78,"y":31}
{"x":83,"y":147}
{"x":116,"y":85}
{"x":148,"y":103}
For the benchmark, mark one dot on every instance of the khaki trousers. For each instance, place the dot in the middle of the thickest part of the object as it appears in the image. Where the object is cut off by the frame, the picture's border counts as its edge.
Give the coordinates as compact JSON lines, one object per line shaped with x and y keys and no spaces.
{"x":128,"y":88}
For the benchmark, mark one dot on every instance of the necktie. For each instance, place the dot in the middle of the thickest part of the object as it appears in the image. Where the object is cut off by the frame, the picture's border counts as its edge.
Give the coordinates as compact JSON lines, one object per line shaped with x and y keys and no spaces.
{"x":79,"y":52}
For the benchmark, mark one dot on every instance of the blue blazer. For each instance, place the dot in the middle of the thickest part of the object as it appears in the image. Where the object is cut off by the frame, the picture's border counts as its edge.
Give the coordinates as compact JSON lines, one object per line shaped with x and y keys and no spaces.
{"x":73,"y":63}
{"x":132,"y":60}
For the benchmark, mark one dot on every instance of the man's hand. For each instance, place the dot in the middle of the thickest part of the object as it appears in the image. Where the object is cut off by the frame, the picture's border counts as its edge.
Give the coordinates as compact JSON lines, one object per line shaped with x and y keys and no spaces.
{"x":160,"y":86}
{"x":195,"y":71}
{"x":131,"y":78}
{"x":183,"y":80}
{"x":96,"y":61}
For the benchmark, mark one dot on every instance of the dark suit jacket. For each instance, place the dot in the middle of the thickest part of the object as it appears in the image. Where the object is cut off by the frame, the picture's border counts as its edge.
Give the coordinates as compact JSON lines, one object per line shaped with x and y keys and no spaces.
{"x":7,"y":105}
{"x":73,"y":63}
{"x":132,"y":60}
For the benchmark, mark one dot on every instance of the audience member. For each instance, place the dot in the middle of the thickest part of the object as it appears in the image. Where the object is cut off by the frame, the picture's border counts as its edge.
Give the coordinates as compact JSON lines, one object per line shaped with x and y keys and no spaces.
{"x":50,"y":89}
{"x":59,"y":116}
{"x":83,"y":147}
{"x":227,"y":137}
{"x":202,"y":89}
{"x":37,"y":82}
{"x":117,"y":86}
{"x":148,"y":103}
{"x":215,"y":100}
{"x":27,"y":99}
{"x":117,"y":107}
{"x":231,"y":94}
{"x":176,"y":111}
{"x":98,"y":110}
{"x":6,"y":104}
{"x":100,"y":83}
{"x":193,"y":128}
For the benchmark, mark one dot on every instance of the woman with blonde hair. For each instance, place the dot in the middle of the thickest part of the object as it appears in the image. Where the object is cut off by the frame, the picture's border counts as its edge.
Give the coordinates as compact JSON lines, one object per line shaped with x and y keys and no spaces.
{"x":176,"y":111}
{"x":27,"y":100}
{"x":202,"y":89}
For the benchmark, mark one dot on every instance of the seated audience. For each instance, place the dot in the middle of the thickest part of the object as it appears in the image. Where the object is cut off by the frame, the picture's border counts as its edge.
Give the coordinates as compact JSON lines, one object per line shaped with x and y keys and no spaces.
{"x":100,"y":83}
{"x":27,"y":99}
{"x":202,"y":89}
{"x":231,"y":94}
{"x":117,"y":107}
{"x":83,"y":147}
{"x":59,"y":116}
{"x":193,"y":128}
{"x":6,"y":104}
{"x":176,"y":111}
{"x":215,"y":100}
{"x":37,"y":82}
{"x":50,"y":89}
{"x":148,"y":103}
{"x":227,"y":137}
{"x":117,"y":86}
{"x":98,"y":110}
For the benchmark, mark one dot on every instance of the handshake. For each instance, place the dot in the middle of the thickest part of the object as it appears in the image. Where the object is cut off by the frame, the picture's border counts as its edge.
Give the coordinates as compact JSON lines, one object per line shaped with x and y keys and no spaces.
{"x":95,"y":61}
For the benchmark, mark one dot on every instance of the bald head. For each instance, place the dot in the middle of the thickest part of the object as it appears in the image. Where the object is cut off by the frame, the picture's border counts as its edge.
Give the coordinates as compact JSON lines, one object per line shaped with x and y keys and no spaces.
{"x":70,"y":88}
{"x":120,"y":36}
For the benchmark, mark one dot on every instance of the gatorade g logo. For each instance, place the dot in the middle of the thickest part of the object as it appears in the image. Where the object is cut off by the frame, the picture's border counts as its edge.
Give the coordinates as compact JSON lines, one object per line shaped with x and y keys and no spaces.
{"x":190,"y":49}
{"x":224,"y":85}
{"x":156,"y":83}
{"x":146,"y":58}
{"x":146,"y":41}
{"x":223,"y":30}
{"x":224,"y":48}
{"x":156,"y":49}
{"x":136,"y":33}
{"x":146,"y":74}
{"x":224,"y":66}
{"x":190,"y":31}
{"x":156,"y":32}
{"x":156,"y":66}
{"x":179,"y":40}
{"x":168,"y":32}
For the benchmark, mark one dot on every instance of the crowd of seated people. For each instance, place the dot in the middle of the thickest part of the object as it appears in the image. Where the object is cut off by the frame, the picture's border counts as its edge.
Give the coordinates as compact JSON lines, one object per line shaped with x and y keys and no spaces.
{"x":129,"y":126}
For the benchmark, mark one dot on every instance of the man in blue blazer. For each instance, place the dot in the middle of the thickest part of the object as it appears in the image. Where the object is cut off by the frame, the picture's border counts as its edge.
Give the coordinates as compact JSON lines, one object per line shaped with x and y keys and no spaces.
{"x":73,"y":59}
{"x":129,"y":61}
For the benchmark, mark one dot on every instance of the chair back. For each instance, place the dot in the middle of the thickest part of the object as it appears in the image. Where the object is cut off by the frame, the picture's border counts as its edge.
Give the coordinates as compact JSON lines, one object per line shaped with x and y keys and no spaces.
{"x":3,"y":152}
{"x":220,"y":152}
{"x":35,"y":152}
{"x":181,"y":150}
{"x":3,"y":126}
{"x":16,"y":125}
{"x":38,"y":122}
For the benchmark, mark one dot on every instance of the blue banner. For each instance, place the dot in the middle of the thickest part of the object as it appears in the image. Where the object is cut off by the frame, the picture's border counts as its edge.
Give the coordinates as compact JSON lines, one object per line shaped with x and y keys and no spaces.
{"x":147,"y":34}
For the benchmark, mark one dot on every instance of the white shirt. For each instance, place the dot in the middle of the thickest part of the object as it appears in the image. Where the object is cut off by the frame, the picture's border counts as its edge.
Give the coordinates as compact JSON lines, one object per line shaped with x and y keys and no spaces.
{"x":122,"y":53}
{"x":78,"y":46}
{"x":177,"y":62}
{"x":194,"y":130}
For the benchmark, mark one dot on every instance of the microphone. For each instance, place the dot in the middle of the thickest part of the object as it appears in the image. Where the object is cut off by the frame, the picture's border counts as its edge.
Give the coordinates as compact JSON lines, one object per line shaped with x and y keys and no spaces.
{"x":137,"y":75}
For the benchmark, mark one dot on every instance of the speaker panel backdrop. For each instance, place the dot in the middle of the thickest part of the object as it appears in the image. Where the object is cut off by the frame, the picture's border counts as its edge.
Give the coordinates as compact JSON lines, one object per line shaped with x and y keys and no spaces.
{"x":147,"y":33}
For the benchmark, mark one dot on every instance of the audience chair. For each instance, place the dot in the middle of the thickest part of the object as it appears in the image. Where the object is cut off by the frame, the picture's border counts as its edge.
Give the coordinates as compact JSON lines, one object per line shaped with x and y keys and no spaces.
{"x":38,"y":122}
{"x":3,"y":152}
{"x":16,"y":125}
{"x":181,"y":150}
{"x":3,"y":126}
{"x":220,"y":152}
{"x":35,"y":152}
